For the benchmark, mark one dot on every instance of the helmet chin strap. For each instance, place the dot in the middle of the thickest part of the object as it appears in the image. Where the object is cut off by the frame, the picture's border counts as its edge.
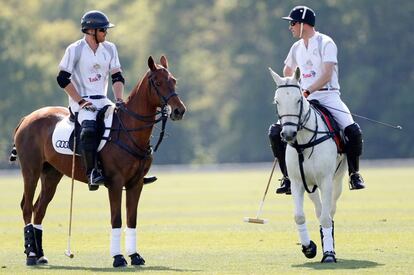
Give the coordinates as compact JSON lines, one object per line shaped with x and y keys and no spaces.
{"x":301,"y":30}
{"x":94,"y":36}
{"x":301,"y":24}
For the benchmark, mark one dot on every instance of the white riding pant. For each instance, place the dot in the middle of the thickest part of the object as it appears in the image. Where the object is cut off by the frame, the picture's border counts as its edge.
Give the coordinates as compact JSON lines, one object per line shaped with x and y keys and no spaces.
{"x":332,"y":100}
{"x":88,"y":115}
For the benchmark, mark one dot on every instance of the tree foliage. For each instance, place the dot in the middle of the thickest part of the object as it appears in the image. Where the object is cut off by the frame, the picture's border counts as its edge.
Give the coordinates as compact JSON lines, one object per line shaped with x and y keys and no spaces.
{"x":220,"y":51}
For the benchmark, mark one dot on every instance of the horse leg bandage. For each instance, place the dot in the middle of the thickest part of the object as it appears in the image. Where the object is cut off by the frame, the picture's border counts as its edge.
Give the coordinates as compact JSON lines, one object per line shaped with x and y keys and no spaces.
{"x":116,"y":241}
{"x":130,"y":240}
{"x":303,"y":234}
{"x":327,"y":239}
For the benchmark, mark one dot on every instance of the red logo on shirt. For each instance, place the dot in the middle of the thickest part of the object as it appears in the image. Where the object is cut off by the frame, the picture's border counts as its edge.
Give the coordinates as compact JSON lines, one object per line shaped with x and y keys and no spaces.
{"x":311,"y":74}
{"x":95,"y":78}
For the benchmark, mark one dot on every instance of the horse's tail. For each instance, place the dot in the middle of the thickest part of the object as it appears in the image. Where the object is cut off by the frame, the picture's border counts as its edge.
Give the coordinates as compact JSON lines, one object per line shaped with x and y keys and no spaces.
{"x":13,"y":153}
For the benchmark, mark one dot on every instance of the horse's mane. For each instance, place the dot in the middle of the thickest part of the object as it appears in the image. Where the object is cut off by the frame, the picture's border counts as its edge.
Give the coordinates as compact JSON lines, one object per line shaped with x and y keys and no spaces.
{"x":136,"y":88}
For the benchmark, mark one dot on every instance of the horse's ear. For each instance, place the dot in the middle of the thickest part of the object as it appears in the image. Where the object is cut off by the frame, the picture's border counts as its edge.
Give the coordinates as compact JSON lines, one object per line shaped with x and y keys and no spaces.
{"x":276,"y":77}
{"x":164,"y":61}
{"x":151,"y":64}
{"x":297,"y":74}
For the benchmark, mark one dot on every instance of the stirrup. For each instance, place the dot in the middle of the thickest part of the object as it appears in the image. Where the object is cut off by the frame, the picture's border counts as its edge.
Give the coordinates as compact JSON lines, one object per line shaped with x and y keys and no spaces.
{"x":95,"y":177}
{"x":284,"y":186}
{"x":356,"y":181}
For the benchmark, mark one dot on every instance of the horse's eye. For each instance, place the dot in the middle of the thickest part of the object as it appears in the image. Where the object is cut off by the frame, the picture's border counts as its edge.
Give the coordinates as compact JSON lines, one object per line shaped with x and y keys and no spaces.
{"x":158,"y":83}
{"x":299,"y":101}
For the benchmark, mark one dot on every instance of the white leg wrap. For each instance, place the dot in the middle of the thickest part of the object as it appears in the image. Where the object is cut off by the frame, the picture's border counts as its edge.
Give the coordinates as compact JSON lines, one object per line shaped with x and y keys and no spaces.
{"x":303,"y":234}
{"x":130,"y":240}
{"x":116,"y":241}
{"x":38,"y":226}
{"x":328,"y":242}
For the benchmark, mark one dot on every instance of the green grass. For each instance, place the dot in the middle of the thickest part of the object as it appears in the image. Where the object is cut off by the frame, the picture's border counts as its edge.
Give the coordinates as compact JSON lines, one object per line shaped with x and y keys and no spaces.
{"x":192,"y":223}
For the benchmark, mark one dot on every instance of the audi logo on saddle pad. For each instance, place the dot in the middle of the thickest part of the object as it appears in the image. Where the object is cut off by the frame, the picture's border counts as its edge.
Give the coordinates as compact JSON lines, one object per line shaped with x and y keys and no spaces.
{"x":62,"y":144}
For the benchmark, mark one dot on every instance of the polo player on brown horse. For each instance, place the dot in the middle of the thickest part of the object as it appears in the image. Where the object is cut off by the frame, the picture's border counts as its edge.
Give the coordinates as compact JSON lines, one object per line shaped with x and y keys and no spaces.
{"x":125,"y":159}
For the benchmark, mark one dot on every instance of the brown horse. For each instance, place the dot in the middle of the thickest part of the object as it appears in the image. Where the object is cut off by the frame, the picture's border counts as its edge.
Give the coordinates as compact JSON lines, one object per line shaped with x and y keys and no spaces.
{"x":125,"y":159}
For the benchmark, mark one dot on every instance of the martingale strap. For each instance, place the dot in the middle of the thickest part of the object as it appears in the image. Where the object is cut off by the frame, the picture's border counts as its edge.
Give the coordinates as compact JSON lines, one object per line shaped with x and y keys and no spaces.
{"x":299,"y":149}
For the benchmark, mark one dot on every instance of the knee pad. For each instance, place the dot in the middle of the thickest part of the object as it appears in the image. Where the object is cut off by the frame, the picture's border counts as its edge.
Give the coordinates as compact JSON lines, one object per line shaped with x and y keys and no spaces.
{"x":278,"y":146}
{"x":354,"y":140}
{"x":88,"y":134}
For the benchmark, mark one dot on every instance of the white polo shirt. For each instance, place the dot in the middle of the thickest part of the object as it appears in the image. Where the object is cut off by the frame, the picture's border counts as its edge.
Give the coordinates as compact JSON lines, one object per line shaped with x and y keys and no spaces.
{"x":90,"y":71}
{"x":321,"y":48}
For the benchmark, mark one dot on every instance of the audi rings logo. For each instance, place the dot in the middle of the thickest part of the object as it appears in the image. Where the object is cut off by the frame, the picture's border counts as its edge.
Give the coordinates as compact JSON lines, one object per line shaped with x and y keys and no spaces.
{"x":62,"y":144}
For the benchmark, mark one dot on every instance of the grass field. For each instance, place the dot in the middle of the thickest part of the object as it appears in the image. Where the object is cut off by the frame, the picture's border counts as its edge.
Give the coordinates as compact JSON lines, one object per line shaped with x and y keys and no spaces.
{"x":191,"y":223}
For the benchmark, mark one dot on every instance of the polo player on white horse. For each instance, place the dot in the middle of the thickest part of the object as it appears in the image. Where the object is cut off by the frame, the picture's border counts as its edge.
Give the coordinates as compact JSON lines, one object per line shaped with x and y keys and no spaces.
{"x":316,"y":56}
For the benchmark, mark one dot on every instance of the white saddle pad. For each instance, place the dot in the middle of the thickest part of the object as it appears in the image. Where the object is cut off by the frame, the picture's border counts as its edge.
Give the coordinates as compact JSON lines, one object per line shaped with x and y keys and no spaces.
{"x":64,"y":128}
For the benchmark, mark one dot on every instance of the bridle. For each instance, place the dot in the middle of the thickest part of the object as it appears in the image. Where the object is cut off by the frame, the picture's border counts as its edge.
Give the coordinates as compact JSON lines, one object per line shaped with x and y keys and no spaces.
{"x":301,"y":123}
{"x":164,"y":99}
{"x":137,"y":151}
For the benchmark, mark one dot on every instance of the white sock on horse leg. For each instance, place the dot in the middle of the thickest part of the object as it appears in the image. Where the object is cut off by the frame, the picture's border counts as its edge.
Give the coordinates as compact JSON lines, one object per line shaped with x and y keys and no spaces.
{"x":38,"y":226}
{"x":130,"y":240}
{"x":116,"y":241}
{"x":303,"y":234}
{"x":328,"y":242}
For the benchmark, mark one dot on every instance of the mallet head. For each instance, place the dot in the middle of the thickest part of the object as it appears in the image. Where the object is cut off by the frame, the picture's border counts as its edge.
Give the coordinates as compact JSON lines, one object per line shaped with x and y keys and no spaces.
{"x":255,"y":220}
{"x":69,"y":254}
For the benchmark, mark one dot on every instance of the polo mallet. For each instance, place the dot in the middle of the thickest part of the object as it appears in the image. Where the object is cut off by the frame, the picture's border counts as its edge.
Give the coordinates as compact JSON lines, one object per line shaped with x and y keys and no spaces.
{"x":68,"y":252}
{"x":257,"y":219}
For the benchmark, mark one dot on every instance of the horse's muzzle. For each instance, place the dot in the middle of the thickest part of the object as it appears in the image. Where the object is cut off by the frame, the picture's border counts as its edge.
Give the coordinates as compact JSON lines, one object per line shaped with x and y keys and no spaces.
{"x":178,"y":113}
{"x":288,"y":136}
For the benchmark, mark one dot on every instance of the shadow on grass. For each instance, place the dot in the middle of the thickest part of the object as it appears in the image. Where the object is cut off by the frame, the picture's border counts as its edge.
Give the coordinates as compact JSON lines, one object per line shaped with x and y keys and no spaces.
{"x":111,"y":269}
{"x":341,"y":264}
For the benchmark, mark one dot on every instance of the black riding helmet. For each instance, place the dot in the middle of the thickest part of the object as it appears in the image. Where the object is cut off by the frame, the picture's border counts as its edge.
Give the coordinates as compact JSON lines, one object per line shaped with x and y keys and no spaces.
{"x":301,"y":14}
{"x":95,"y":20}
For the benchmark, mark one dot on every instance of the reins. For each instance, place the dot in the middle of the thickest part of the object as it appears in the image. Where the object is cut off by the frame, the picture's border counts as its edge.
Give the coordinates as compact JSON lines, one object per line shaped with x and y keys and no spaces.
{"x":137,"y":151}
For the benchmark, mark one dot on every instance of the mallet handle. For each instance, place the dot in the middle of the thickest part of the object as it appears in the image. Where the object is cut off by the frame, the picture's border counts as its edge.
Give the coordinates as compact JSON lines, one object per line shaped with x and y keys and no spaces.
{"x":267,"y":188}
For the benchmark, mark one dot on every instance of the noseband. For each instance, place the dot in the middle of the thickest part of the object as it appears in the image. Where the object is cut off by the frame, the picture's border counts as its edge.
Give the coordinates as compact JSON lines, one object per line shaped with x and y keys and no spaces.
{"x":300,"y":124}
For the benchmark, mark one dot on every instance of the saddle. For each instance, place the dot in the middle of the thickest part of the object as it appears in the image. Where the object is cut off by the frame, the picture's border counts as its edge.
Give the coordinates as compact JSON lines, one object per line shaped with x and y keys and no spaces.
{"x":63,"y":136}
{"x":330,"y":123}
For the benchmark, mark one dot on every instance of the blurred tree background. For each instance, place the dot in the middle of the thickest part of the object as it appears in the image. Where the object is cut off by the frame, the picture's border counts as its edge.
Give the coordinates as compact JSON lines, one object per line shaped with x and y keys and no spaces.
{"x":219,"y":50}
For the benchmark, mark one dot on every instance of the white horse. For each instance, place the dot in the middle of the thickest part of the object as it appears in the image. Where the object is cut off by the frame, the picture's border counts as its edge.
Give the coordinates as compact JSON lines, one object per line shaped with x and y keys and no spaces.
{"x":313,"y":162}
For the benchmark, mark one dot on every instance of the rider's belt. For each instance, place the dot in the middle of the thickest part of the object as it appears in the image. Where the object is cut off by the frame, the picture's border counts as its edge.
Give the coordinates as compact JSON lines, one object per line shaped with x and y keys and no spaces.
{"x":328,"y":89}
{"x":94,"y":96}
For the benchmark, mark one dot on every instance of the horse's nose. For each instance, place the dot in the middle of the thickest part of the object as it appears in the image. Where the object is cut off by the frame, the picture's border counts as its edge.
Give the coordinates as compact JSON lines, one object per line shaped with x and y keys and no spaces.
{"x":288,"y":136}
{"x":178,"y":113}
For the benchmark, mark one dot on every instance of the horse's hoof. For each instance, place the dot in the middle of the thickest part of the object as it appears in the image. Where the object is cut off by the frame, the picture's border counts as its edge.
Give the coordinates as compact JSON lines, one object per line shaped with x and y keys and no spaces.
{"x":328,"y":257}
{"x":310,"y":250}
{"x":31,"y":260}
{"x":42,"y":260}
{"x":136,"y":259}
{"x":119,"y":261}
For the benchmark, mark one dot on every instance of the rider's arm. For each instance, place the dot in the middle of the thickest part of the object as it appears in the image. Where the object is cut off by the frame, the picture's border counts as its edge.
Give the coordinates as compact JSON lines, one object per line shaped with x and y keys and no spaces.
{"x":64,"y":82}
{"x":287,"y":71}
{"x":329,"y":61}
{"x":118,"y":83}
{"x":326,"y":75}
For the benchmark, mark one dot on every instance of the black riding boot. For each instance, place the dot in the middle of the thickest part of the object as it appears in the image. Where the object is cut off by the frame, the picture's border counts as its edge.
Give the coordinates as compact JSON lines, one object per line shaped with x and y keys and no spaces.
{"x":150,"y":179}
{"x":279,"y":152}
{"x":353,"y":149}
{"x":88,"y":138}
